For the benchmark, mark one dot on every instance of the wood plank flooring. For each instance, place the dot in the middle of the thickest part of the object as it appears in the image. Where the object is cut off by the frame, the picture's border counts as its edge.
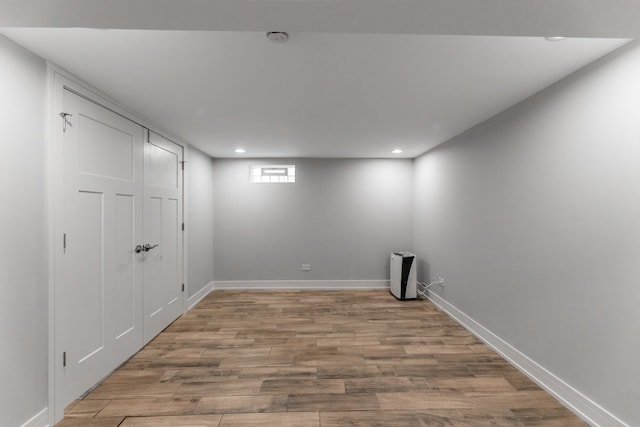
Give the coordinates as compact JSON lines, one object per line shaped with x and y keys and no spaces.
{"x":316,"y":358}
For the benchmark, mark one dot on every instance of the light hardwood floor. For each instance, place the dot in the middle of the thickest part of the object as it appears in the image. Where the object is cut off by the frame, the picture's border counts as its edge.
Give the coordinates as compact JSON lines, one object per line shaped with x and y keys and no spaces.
{"x":316,"y":358}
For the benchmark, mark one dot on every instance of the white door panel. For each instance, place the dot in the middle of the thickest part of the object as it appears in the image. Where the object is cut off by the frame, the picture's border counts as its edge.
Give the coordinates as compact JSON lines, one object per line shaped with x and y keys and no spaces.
{"x":88,"y":287}
{"x":125,"y":266}
{"x":162,"y":168}
{"x":118,"y":192}
{"x":98,"y":294}
{"x":171,"y":254}
{"x":108,"y":153}
{"x":163,"y":227}
{"x":153,"y":262}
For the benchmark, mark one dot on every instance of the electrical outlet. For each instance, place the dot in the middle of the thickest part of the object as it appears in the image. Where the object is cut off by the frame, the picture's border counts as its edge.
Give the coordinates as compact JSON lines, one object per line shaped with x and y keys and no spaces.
{"x":306,"y":267}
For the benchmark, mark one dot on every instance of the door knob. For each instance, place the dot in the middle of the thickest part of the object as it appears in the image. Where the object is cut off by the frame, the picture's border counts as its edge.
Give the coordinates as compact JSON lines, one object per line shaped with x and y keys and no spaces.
{"x":138,"y":249}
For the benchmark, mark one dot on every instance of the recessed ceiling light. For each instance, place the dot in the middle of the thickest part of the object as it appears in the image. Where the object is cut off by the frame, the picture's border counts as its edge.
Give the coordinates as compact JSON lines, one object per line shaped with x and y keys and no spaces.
{"x":554,"y":38}
{"x":278,"y":36}
{"x":240,"y":150}
{"x":397,"y":151}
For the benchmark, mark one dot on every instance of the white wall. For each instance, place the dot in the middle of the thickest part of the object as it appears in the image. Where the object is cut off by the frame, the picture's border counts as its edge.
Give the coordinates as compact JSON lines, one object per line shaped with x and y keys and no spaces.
{"x":23,"y":236}
{"x":200,"y":221}
{"x":533,"y":220}
{"x":342,"y":216}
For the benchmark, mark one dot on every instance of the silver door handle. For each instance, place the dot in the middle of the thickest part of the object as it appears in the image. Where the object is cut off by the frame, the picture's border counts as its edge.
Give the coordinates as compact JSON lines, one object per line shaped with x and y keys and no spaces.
{"x":147,"y":247}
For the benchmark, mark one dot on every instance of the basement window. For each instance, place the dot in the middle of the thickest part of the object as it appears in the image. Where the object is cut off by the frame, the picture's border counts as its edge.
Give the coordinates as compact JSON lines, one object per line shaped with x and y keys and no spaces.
{"x":273,"y":174}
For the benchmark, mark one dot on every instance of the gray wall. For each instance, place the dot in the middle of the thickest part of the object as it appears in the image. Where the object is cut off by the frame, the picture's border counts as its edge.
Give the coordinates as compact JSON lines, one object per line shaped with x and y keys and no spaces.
{"x":23,"y":236}
{"x":342,"y":216}
{"x":533,"y":220}
{"x":200,"y":220}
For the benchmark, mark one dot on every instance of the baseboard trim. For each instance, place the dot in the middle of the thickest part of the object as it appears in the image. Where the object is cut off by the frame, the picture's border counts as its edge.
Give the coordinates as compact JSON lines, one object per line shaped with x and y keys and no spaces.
{"x":574,"y":400}
{"x":41,"y":419}
{"x":301,"y":284}
{"x":194,"y":299}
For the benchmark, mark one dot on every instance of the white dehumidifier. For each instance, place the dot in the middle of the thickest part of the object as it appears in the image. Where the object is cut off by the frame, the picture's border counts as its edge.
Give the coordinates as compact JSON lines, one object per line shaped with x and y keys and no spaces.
{"x":403,"y":275}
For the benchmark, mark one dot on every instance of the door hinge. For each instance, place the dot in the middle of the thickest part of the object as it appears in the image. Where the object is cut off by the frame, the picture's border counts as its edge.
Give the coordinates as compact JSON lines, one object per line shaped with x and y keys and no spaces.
{"x":64,"y":243}
{"x":183,"y":287}
{"x":183,"y":226}
{"x":182,"y":162}
{"x":64,"y":358}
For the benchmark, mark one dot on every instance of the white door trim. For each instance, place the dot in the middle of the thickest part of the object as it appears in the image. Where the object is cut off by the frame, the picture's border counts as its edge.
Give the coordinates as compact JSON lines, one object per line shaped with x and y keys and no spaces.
{"x":57,"y":79}
{"x":185,"y":234}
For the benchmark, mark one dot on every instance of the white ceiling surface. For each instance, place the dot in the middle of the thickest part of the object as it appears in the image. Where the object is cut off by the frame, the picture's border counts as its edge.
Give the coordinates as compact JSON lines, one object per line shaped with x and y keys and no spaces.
{"x":320,"y":94}
{"x":574,"y":18}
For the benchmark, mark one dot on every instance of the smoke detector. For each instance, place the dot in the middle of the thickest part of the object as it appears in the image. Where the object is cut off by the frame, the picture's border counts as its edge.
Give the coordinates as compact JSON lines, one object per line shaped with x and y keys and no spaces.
{"x":278,"y":36}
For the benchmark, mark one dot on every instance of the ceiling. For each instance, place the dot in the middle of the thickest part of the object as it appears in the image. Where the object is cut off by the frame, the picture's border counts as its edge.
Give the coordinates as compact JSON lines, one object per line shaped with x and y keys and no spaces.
{"x":330,"y":92}
{"x":572,"y":18}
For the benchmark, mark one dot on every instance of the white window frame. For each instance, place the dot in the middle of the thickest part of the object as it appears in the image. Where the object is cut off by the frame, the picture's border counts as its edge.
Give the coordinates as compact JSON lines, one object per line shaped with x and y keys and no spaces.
{"x":272,"y":174}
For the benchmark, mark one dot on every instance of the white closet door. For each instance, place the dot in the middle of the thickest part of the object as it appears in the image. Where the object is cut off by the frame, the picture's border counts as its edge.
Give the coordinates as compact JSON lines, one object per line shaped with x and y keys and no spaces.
{"x":98,"y":294}
{"x":163,"y":234}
